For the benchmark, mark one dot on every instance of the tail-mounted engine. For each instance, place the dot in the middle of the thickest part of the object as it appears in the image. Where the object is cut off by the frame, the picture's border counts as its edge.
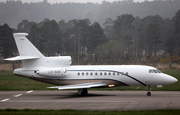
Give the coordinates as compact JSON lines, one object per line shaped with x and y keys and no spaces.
{"x":56,"y":72}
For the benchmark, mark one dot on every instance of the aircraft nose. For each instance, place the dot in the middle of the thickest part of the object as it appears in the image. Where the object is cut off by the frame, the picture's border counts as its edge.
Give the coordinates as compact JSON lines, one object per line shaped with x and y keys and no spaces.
{"x":169,"y":79}
{"x":175,"y":80}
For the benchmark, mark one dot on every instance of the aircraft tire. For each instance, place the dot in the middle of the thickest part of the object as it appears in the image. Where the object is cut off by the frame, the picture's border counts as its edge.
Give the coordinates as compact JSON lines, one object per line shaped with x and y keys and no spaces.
{"x":148,"y":93}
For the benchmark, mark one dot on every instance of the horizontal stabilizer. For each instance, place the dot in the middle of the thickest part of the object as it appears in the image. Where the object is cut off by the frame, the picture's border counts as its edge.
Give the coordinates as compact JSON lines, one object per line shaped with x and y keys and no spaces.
{"x":81,"y":86}
{"x":21,"y":58}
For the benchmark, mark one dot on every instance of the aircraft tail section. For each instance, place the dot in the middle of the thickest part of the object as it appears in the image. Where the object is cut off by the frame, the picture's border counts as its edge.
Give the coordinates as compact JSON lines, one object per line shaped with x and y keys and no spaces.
{"x":27,"y":51}
{"x":32,"y":58}
{"x":25,"y":47}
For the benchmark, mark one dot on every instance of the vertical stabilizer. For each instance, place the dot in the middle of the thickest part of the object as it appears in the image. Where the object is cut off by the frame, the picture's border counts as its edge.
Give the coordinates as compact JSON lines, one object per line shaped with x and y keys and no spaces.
{"x":25,"y":47}
{"x":31,"y":57}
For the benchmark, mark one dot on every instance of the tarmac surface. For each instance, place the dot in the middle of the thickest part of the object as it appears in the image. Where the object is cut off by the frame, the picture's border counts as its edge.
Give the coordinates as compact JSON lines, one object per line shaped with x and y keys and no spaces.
{"x":95,"y":100}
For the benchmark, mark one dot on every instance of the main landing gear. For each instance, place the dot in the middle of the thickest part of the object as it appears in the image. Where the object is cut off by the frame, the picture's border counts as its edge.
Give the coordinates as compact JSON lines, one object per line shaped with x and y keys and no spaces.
{"x":149,"y":89}
{"x":82,"y":92}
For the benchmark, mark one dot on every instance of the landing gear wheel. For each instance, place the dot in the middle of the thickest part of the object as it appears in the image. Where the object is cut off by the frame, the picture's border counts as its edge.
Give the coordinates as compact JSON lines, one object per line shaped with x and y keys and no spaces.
{"x":148,"y":93}
{"x":149,"y":89}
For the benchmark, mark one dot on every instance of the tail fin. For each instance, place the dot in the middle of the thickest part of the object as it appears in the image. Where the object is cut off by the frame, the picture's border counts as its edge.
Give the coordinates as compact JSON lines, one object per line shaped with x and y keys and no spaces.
{"x":27,"y":50}
{"x":25,"y":47}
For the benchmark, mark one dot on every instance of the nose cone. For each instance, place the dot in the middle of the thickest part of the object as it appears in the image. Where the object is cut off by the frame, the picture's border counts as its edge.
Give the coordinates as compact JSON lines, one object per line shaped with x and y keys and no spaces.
{"x":172,"y":80}
{"x":167,"y":79}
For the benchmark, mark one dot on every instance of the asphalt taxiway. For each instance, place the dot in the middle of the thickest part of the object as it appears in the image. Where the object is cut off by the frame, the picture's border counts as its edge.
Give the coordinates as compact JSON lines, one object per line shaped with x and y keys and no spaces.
{"x":95,"y":100}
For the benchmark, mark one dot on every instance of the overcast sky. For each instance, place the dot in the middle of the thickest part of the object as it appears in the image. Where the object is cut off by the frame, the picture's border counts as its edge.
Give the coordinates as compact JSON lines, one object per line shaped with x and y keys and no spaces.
{"x":79,"y":1}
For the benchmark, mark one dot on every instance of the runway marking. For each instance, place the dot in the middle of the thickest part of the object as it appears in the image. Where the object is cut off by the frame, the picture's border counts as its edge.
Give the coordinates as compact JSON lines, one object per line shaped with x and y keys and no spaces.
{"x":18,"y":95}
{"x":5,"y":100}
{"x":29,"y":91}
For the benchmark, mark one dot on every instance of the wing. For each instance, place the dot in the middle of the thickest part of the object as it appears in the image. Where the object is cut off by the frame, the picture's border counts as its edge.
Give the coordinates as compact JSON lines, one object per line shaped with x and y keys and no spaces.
{"x":80,"y":86}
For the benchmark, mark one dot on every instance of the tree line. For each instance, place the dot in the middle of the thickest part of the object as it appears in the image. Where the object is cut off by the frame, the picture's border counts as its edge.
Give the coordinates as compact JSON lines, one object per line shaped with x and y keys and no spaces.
{"x":14,"y":11}
{"x":127,"y":39}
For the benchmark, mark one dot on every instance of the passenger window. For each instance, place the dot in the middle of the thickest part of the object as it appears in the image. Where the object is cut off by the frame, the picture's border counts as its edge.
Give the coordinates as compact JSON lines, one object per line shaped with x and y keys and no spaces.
{"x":101,"y":73}
{"x":109,"y":73}
{"x":113,"y":73}
{"x":96,"y":73}
{"x":91,"y":73}
{"x":78,"y":74}
{"x":83,"y":73}
{"x":105,"y":73}
{"x":87,"y":73}
{"x":126,"y":73}
{"x":117,"y":73}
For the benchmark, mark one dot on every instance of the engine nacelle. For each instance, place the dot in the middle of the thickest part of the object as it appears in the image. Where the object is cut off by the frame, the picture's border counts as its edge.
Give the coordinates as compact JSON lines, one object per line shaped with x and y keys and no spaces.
{"x":55,"y":72}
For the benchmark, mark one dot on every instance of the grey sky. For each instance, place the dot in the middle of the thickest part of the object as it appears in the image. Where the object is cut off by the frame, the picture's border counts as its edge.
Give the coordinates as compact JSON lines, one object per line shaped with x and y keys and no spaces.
{"x":79,"y":1}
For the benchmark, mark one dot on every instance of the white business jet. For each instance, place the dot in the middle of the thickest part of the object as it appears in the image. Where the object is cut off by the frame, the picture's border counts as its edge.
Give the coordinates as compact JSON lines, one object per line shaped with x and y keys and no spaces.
{"x":58,"y":71}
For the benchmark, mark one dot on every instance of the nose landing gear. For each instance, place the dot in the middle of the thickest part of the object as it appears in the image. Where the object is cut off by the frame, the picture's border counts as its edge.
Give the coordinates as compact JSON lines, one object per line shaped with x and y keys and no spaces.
{"x":149,"y":89}
{"x":148,"y":93}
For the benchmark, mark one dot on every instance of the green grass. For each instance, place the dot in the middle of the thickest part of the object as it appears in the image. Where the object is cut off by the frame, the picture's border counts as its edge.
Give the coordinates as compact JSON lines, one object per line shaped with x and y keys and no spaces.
{"x":75,"y":112}
{"x":10,"y":82}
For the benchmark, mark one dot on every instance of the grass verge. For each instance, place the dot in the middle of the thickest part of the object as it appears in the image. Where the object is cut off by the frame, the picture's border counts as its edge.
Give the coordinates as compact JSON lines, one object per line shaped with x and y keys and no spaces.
{"x":76,"y":112}
{"x":10,"y":82}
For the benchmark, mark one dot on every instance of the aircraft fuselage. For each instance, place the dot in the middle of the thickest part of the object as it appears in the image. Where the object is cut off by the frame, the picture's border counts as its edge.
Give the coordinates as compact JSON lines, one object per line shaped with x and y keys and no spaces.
{"x":114,"y":75}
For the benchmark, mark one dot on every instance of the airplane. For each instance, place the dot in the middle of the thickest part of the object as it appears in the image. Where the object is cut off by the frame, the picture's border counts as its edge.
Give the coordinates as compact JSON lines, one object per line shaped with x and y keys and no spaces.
{"x":59,"y":71}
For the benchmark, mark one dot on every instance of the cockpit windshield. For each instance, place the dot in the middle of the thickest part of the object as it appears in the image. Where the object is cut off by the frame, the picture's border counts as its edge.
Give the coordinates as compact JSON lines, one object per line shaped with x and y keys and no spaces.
{"x":154,"y":71}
